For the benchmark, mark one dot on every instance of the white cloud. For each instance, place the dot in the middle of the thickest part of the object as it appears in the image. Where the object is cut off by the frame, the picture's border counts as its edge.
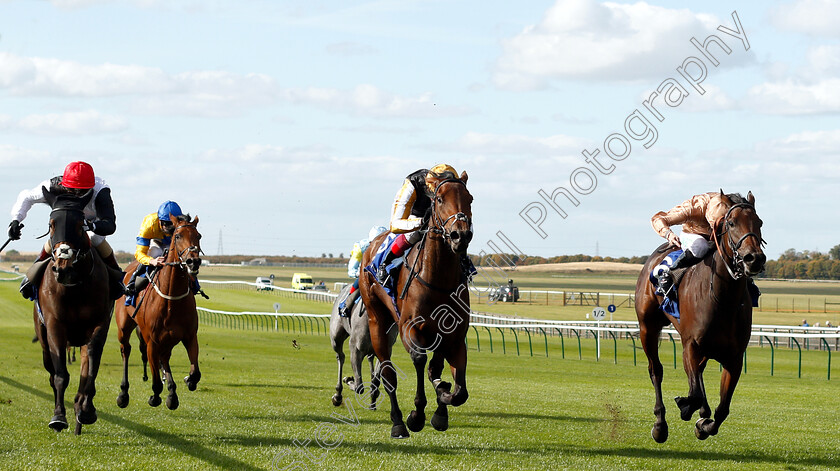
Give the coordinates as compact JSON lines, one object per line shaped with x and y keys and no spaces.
{"x":585,"y":39}
{"x":19,"y":157}
{"x":74,"y":124}
{"x":715,"y":99}
{"x":369,"y":100}
{"x":812,"y":17}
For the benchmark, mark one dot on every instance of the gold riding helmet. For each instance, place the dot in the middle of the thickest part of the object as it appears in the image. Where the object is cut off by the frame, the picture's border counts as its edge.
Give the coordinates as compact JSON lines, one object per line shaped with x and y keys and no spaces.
{"x":436,"y":171}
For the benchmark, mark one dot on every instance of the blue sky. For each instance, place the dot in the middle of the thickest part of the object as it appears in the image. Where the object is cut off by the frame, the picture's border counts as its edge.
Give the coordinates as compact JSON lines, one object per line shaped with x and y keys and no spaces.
{"x":288,"y":126}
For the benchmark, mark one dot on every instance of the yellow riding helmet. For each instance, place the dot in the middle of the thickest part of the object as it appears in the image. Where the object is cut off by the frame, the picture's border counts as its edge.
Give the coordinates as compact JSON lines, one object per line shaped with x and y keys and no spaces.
{"x":437,"y":170}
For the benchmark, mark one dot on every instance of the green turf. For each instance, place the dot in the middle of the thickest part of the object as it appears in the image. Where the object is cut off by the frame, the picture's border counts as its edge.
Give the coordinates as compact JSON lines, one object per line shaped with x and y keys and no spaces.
{"x":260,"y":397}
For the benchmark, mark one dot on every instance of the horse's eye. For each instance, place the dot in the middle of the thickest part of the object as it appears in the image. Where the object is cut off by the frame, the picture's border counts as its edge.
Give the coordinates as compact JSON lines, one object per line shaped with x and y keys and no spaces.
{"x":731,"y":223}
{"x":439,"y":199}
{"x":178,"y":237}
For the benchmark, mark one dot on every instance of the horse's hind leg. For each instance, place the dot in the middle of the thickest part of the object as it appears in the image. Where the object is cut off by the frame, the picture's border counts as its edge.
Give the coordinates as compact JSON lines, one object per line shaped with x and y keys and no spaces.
{"x":694,"y":364}
{"x":417,"y":418}
{"x":440,"y":419}
{"x":650,"y":343}
{"x":194,"y":377}
{"x":728,"y":381}
{"x":124,"y":337}
{"x":374,"y":382}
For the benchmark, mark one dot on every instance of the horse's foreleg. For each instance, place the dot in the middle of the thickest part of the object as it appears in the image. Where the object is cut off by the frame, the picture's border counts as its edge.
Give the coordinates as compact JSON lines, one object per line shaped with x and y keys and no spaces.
{"x":440,"y":419}
{"x":144,"y":355}
{"x":337,"y":398}
{"x":728,"y":381}
{"x":356,"y":383}
{"x":91,"y":358}
{"x":172,"y":401}
{"x":195,"y":373}
{"x":157,"y":385}
{"x":417,"y":418}
{"x":79,"y":400}
{"x":457,"y":359}
{"x":382,"y":346}
{"x":650,"y":343}
{"x":59,"y":377}
{"x":693,"y":363}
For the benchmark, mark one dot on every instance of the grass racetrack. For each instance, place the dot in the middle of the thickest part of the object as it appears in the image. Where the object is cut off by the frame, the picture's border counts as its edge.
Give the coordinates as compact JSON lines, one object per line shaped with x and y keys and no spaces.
{"x":264,"y":404}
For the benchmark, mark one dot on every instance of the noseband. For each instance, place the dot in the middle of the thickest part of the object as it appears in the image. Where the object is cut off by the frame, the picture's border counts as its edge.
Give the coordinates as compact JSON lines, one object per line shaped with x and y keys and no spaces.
{"x":182,"y":263}
{"x":440,"y":224}
{"x":736,"y":270}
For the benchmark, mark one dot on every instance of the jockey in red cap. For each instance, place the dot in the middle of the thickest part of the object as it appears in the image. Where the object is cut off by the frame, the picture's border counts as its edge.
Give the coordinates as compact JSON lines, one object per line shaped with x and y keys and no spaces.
{"x":78,"y":179}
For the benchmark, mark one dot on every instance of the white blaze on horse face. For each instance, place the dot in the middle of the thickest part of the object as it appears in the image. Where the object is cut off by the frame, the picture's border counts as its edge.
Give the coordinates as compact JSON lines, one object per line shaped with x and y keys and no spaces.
{"x":64,"y":252}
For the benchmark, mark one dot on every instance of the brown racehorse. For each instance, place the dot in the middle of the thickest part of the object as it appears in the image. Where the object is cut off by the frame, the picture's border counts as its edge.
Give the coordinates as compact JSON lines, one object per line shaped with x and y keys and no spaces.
{"x":715,"y":315}
{"x":435,"y":312}
{"x":75,"y":307}
{"x":165,"y":315}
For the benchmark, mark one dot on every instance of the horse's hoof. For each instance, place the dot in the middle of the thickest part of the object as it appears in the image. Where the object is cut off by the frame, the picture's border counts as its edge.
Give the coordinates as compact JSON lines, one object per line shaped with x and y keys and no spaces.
{"x":659,"y":433}
{"x":58,"y":423}
{"x":372,"y":406}
{"x":442,"y":387}
{"x":336,"y":399}
{"x":416,"y":421}
{"x":700,"y":428}
{"x":145,"y":378}
{"x":686,"y":410}
{"x":154,"y":401}
{"x":440,"y":422}
{"x":122,"y":400}
{"x":172,"y":402}
{"x":86,"y":418}
{"x":399,"y":431}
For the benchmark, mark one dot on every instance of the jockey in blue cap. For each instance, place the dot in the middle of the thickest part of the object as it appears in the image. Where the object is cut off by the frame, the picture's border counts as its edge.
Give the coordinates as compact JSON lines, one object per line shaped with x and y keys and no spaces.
{"x":152,"y":240}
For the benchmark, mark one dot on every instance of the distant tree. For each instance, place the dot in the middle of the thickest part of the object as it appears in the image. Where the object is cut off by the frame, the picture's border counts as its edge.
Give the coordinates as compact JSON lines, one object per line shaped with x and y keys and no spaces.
{"x":323,"y":255}
{"x":834,"y":252}
{"x":331,"y":256}
{"x":341,"y":255}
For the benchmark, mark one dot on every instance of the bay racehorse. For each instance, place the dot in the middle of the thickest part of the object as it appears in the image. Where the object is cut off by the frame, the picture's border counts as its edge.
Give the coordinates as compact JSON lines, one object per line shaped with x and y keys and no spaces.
{"x":73,"y":307}
{"x":434,"y":311}
{"x":165,"y":315}
{"x":715,"y":315}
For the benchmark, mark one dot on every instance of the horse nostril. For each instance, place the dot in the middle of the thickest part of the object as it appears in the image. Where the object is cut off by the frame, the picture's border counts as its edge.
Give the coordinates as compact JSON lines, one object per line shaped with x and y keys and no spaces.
{"x":468,"y":236}
{"x":749,"y":258}
{"x":455,"y":236}
{"x":761,"y":259}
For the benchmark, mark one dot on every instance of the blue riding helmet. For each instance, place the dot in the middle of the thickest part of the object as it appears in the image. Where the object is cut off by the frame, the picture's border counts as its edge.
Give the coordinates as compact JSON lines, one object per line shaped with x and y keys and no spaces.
{"x":167,"y":208}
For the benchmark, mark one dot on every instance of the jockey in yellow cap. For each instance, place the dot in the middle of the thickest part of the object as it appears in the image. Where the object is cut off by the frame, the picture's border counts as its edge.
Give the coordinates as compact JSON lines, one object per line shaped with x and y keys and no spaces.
{"x":409,"y":212}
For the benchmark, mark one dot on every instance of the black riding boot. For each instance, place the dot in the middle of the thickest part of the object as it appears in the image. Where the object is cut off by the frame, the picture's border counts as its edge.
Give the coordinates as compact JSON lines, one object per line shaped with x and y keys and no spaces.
{"x":32,"y":279}
{"x":382,"y":272}
{"x":347,"y":306}
{"x":685,"y":260}
{"x":134,"y":286}
{"x":116,"y":275}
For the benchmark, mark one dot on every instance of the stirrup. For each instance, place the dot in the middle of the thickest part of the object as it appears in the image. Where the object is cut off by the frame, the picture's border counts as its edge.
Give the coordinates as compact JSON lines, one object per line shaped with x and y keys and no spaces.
{"x":665,"y":282}
{"x":382,"y":273}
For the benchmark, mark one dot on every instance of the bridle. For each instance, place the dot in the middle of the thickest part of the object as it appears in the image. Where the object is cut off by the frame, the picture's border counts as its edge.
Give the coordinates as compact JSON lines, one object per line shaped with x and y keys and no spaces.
{"x":735,"y":265}
{"x":65,"y":252}
{"x":440,"y":224}
{"x":182,"y":264}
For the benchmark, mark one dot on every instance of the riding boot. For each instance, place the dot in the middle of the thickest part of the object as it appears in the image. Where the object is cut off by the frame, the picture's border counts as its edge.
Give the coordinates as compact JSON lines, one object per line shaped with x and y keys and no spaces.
{"x":133,"y":286}
{"x":398,"y":249}
{"x":382,"y":271}
{"x":347,"y":306}
{"x":32,"y":279}
{"x":666,"y":280}
{"x":116,"y":275}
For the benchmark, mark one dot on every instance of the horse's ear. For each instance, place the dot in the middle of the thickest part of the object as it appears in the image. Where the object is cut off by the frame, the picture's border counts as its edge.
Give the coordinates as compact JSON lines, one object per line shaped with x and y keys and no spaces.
{"x":725,"y":199}
{"x":464,"y":177}
{"x":751,"y":198}
{"x":48,"y":196}
{"x":195,"y":221}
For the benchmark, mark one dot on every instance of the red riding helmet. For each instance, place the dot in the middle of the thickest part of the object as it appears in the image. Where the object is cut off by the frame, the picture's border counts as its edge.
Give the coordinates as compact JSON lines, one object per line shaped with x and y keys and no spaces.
{"x":78,"y":175}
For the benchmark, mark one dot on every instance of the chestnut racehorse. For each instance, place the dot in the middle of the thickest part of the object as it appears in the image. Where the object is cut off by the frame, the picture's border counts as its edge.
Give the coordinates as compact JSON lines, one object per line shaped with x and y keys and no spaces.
{"x":715,"y":315}
{"x":165,"y":315}
{"x":435,"y":311}
{"x":75,"y":307}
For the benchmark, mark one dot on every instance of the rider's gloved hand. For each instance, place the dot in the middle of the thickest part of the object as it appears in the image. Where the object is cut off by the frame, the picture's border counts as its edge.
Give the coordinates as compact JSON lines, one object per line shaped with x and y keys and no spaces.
{"x":14,"y":229}
{"x":674,"y":240}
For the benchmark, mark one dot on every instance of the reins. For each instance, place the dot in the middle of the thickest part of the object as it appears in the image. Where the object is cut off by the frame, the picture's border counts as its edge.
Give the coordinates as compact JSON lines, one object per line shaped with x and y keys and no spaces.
{"x":736,"y":258}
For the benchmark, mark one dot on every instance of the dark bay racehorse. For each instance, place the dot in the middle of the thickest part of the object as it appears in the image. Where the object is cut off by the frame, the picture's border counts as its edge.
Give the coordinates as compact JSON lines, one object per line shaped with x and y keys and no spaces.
{"x":435,"y":312}
{"x":715,"y":315}
{"x":165,"y":315}
{"x":75,"y":307}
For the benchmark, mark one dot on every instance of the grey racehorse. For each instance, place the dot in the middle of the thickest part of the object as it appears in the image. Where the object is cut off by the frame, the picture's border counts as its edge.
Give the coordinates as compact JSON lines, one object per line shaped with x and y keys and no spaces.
{"x":356,"y":329}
